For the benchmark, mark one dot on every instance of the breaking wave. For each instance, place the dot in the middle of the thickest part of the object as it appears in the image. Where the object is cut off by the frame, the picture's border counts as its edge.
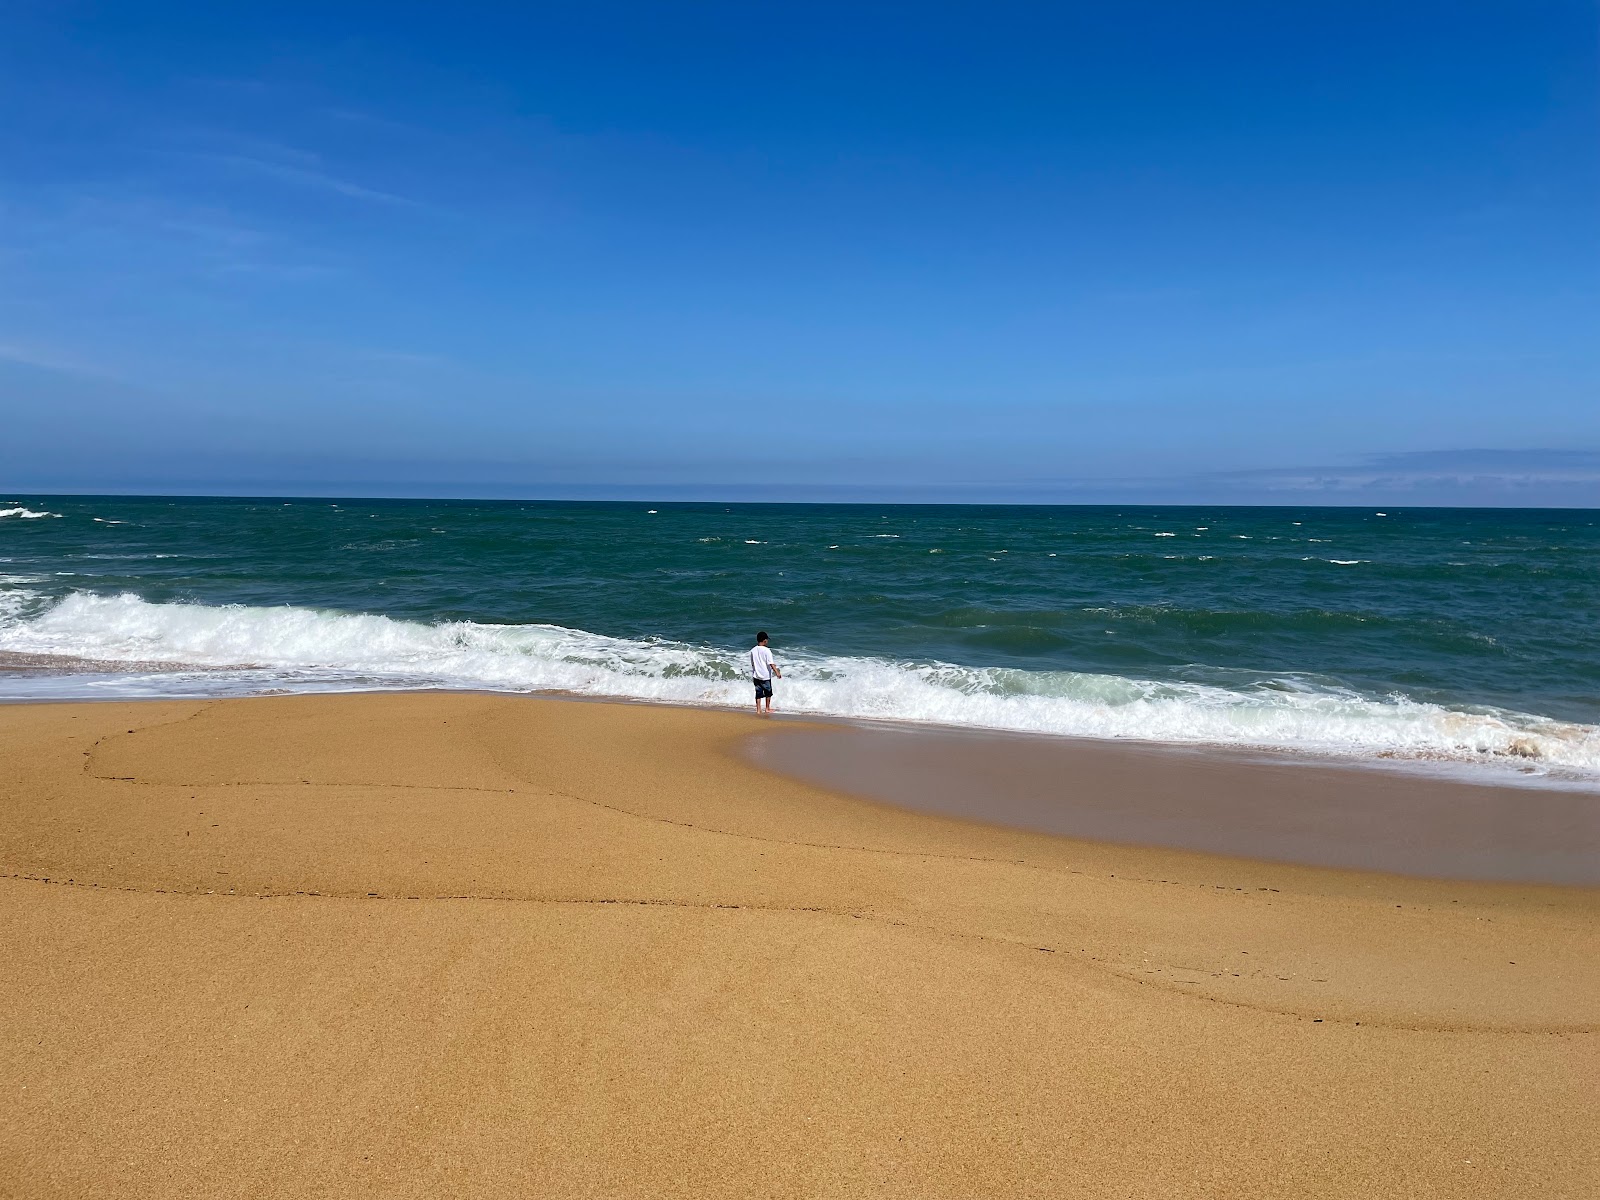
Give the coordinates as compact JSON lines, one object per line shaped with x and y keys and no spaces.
{"x":213,"y":649}
{"x":26,"y":514}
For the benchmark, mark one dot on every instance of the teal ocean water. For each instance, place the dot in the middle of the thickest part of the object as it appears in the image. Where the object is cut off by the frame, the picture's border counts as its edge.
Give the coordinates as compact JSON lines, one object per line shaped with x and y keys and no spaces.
{"x":1427,"y":635}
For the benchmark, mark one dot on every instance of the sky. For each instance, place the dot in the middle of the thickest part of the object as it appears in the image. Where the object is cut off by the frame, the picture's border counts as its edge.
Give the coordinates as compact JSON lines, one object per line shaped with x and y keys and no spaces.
{"x":1315,"y":252}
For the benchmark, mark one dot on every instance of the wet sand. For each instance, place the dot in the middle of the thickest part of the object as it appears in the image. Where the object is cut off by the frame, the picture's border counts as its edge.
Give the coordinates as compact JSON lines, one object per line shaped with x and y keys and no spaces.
{"x":1320,"y":812}
{"x":55,"y":665}
{"x":418,"y":945}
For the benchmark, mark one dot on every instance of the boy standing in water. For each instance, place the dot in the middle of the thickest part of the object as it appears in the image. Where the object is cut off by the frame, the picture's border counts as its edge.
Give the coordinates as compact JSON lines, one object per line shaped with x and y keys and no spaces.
{"x":762,"y":670}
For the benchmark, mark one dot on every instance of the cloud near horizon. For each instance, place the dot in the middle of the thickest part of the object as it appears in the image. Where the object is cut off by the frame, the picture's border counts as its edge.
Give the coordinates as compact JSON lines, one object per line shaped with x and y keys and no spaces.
{"x":1479,"y":476}
{"x":1537,"y":478}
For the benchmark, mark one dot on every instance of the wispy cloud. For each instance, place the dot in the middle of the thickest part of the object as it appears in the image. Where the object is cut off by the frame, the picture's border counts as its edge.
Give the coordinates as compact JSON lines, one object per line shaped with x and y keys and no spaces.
{"x":153,"y":236}
{"x":310,"y":177}
{"x":355,"y":116}
{"x":46,"y":358}
{"x":234,"y":149}
{"x":29,"y":357}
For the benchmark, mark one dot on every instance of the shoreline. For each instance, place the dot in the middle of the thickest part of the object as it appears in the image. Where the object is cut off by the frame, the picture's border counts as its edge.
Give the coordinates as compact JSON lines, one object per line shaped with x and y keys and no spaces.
{"x":1496,"y":772}
{"x":408,"y":944}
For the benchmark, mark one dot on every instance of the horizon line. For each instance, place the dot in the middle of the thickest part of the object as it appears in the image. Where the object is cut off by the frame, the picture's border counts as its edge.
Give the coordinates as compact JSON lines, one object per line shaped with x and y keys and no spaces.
{"x":649,"y":498}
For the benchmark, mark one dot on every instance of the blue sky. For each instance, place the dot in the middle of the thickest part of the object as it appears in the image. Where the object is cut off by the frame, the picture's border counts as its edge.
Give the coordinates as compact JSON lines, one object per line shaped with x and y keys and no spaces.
{"x":1128,"y":251}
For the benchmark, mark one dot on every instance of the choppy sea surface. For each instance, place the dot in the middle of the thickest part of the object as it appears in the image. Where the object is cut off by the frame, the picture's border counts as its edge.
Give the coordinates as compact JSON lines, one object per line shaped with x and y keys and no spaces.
{"x":1434,"y":636}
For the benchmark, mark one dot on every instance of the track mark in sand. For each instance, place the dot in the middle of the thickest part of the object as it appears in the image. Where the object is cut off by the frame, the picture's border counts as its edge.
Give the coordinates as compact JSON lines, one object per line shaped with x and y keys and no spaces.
{"x":1252,"y":892}
{"x":541,"y":789}
{"x":93,"y":747}
{"x":635,"y":901}
{"x":1081,"y":957}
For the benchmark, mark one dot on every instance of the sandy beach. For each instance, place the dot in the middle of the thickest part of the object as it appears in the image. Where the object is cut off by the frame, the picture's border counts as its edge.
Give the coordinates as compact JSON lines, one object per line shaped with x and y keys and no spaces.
{"x":468,"y":945}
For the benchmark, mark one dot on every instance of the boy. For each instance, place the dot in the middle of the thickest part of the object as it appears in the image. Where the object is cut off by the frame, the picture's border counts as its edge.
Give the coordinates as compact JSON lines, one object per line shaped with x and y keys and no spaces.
{"x":762,"y":671}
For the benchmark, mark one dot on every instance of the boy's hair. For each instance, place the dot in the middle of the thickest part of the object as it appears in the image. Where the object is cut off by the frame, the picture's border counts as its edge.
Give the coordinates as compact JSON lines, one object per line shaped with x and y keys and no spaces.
{"x":761,"y":637}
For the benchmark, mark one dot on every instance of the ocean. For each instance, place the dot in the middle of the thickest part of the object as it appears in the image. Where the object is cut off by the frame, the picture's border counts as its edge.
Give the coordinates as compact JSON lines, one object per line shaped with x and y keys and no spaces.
{"x":1427,"y":636}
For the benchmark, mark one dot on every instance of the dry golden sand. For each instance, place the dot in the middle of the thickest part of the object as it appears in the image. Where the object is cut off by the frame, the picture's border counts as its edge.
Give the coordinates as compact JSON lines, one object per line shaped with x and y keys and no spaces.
{"x":429,"y":945}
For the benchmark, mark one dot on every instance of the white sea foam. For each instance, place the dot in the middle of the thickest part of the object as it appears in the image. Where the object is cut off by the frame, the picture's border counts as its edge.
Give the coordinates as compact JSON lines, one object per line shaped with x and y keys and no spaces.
{"x":26,"y":514}
{"x":237,"y":648}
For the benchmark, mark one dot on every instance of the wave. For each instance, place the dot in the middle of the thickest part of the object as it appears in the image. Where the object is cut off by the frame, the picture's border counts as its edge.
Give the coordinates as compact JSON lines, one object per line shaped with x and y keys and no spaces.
{"x":26,"y":514}
{"x":237,"y":647}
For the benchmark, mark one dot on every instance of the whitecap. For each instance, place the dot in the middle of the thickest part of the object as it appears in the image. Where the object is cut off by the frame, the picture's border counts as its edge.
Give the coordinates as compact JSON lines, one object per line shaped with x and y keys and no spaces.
{"x":26,"y":514}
